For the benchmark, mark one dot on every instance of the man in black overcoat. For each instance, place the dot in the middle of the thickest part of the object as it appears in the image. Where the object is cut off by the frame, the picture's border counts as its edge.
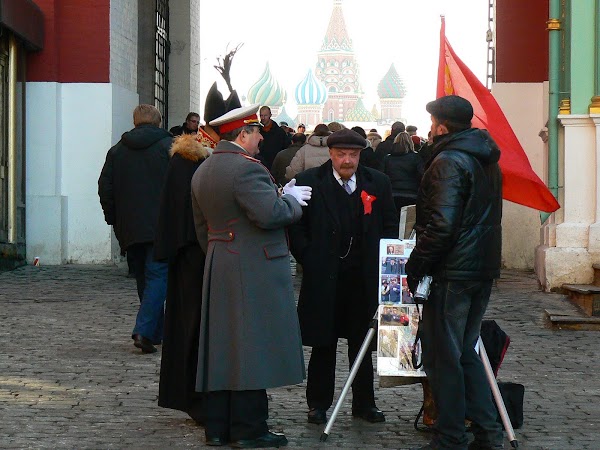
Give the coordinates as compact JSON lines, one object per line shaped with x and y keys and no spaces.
{"x":176,"y":243}
{"x":129,"y":189}
{"x":337,"y":244}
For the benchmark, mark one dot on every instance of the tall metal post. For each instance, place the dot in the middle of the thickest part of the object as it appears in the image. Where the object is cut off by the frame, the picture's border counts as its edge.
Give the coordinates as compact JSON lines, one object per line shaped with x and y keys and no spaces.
{"x":12,"y":139}
{"x":554,"y":28}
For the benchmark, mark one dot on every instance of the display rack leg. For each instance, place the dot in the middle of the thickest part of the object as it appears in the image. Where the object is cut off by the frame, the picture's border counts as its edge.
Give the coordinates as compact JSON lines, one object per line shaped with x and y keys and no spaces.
{"x":497,"y":396}
{"x":361,"y":354}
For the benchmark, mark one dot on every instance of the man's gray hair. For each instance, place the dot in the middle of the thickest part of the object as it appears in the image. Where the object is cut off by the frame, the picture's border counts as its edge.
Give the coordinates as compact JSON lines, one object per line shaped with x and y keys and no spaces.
{"x":233,"y":134}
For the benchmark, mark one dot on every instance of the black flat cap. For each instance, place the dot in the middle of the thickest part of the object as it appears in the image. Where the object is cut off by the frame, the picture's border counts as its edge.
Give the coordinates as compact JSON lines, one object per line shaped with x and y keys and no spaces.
{"x":411,"y":128}
{"x":346,"y":138}
{"x":451,"y":108}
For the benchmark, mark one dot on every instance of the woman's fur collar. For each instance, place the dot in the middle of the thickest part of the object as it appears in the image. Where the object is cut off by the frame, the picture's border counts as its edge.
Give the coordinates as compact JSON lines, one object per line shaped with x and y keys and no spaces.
{"x":189,"y":148}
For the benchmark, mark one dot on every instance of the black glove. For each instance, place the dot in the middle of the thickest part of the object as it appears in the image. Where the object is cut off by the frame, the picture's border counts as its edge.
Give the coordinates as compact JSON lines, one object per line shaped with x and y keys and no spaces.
{"x":413,"y":282}
{"x":414,"y":271}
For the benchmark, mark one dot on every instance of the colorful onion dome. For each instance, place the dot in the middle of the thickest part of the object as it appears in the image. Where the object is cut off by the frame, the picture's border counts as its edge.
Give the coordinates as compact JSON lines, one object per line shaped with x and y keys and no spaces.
{"x":266,"y":90}
{"x":391,"y":85}
{"x":284,"y":117}
{"x":311,"y":91}
{"x":359,"y":113}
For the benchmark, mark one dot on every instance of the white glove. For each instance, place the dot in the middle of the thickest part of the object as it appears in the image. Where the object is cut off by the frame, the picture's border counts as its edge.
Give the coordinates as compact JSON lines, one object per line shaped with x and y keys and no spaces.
{"x":300,"y":193}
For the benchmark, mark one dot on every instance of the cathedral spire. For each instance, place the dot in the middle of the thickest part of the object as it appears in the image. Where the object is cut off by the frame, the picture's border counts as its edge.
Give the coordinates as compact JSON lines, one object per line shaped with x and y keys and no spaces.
{"x":336,"y":38}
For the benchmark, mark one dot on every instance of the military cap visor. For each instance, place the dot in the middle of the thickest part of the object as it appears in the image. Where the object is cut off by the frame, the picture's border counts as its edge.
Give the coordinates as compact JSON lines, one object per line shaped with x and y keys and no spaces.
{"x":237,"y":118}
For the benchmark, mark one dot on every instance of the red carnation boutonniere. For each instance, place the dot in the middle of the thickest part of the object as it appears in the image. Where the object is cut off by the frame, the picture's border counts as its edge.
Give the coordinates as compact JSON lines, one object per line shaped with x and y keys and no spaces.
{"x":367,"y":200}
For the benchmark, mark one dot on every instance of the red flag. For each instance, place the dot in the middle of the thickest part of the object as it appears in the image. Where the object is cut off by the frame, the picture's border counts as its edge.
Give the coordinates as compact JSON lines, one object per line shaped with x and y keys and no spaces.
{"x":520,"y":183}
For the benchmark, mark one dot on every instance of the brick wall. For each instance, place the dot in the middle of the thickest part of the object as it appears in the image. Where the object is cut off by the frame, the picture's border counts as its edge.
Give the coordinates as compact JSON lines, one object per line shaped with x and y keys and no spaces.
{"x":123,"y":43}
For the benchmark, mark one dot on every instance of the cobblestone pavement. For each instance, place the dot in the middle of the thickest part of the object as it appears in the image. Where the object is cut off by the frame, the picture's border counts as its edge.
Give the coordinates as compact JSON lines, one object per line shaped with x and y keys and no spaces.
{"x":70,"y":377}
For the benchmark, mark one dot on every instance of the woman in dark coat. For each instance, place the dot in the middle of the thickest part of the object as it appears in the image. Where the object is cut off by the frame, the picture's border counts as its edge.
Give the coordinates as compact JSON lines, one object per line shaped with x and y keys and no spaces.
{"x":176,"y":242}
{"x":405,"y":169}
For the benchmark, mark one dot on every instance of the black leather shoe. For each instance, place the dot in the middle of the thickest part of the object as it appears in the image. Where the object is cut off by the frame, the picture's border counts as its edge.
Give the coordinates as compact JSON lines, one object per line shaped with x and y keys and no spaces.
{"x":144,"y":343}
{"x":317,"y":416}
{"x":372,"y":415}
{"x":425,"y":447}
{"x":267,"y":440}
{"x":215,"y":441}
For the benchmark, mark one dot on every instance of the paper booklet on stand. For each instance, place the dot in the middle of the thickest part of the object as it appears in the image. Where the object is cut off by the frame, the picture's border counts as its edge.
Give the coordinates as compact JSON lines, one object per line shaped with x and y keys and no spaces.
{"x":398,"y":316}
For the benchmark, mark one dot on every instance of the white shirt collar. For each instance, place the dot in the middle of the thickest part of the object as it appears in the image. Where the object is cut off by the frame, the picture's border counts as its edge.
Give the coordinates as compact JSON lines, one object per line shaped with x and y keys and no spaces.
{"x":351,"y":181}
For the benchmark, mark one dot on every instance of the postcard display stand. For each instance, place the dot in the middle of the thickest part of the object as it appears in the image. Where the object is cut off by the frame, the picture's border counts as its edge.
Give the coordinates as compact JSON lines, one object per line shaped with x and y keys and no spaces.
{"x":396,"y":323}
{"x":397,"y":315}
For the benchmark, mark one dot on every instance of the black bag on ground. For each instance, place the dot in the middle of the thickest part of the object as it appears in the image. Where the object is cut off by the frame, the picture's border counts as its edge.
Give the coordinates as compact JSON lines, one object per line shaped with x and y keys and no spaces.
{"x":512,"y":394}
{"x":496,"y":343}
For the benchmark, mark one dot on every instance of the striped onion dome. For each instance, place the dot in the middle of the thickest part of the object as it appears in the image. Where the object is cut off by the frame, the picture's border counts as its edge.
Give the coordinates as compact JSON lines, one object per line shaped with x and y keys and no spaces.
{"x":284,"y":117}
{"x":266,"y":90}
{"x":391,"y":85}
{"x":359,"y":113}
{"x":311,"y":91}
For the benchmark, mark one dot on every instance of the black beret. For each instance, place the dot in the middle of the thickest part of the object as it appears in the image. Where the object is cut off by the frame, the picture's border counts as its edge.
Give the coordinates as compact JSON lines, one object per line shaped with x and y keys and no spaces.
{"x":452,"y":108}
{"x":346,"y":138}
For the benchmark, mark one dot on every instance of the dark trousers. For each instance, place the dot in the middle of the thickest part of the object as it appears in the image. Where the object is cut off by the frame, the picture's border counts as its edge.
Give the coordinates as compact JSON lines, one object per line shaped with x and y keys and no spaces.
{"x":320,"y":384}
{"x":449,"y":330}
{"x":352,"y":321}
{"x":235,"y":415}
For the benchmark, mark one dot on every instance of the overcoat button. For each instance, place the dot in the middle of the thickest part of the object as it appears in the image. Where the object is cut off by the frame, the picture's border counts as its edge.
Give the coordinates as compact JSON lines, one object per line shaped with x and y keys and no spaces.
{"x":231,"y":235}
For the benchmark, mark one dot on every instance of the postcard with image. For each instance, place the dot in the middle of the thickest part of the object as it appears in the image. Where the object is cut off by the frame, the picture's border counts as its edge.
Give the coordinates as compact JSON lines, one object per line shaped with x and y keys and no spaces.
{"x":396,"y":336}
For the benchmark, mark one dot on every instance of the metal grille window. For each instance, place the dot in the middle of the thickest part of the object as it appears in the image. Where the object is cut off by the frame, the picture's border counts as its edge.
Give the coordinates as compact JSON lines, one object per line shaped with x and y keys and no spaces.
{"x":161,"y":65}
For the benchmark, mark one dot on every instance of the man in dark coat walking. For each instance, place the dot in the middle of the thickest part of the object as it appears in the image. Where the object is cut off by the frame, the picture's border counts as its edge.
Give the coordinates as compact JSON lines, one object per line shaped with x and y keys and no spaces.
{"x":385,"y":147}
{"x":459,"y":212}
{"x":337,"y":243}
{"x":129,"y":189}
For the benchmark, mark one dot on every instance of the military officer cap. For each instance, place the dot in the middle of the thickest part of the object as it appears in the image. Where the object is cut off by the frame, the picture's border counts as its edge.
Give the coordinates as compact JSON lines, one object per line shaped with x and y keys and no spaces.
{"x":346,"y":139}
{"x":452,"y":108}
{"x":237,"y":118}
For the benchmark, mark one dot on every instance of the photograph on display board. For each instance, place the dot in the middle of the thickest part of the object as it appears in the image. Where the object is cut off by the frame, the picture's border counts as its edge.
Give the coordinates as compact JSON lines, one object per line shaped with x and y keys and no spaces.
{"x":392,"y":272}
{"x":388,"y":343}
{"x":398,"y":316}
{"x":395,"y":316}
{"x":396,"y":340}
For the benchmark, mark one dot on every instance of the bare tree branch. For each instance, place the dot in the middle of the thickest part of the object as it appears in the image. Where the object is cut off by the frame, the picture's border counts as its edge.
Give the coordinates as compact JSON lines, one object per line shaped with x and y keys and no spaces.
{"x":224,"y":65}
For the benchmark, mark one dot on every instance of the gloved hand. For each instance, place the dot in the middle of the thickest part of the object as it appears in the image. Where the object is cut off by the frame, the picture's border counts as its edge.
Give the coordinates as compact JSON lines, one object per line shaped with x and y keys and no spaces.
{"x":300,"y":193}
{"x":413,"y":274}
{"x":413,"y":282}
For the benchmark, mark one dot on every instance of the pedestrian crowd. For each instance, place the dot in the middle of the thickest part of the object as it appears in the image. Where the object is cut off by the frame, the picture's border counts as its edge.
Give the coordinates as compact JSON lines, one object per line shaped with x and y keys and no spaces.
{"x":209,"y":215}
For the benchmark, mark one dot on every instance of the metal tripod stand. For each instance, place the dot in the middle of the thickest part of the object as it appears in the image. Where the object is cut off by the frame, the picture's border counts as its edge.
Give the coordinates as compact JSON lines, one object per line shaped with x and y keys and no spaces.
{"x":484,"y":359}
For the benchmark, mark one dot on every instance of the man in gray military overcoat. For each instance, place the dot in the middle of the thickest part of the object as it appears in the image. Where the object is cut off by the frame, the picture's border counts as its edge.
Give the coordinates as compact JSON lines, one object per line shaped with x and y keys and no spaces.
{"x":249,"y":332}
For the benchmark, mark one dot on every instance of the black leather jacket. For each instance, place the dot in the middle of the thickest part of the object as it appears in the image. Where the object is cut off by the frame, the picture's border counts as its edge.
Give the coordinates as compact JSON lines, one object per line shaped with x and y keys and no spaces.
{"x":459,"y":210}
